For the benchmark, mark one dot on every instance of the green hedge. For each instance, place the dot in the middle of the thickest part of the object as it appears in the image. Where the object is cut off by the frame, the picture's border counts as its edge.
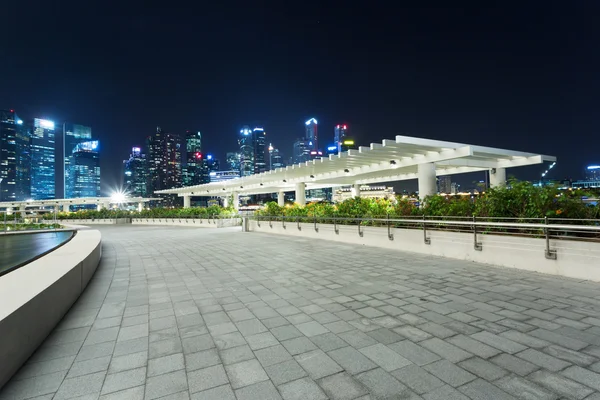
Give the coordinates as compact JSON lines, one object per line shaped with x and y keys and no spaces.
{"x":192,"y":212}
{"x":520,"y":200}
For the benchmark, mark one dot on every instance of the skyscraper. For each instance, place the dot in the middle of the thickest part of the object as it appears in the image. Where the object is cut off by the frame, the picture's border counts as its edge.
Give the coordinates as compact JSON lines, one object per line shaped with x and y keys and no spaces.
{"x":259,"y":147}
{"x":135,"y":178}
{"x":14,"y":158}
{"x":301,"y":151}
{"x":233,"y":161}
{"x":42,"y":160}
{"x":246,"y":151}
{"x":164,"y":165}
{"x":275,"y":158}
{"x":194,"y":173}
{"x":312,"y":134}
{"x":340,"y":132}
{"x":73,"y":135}
{"x":84,"y":170}
{"x":445,"y":184}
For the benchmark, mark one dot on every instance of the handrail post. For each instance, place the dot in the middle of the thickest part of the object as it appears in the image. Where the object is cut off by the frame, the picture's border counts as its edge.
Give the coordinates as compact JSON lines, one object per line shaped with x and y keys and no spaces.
{"x":271,"y":221}
{"x":315,"y":220}
{"x":425,"y":238}
{"x":283,"y":221}
{"x":298,"y":222}
{"x":258,"y":220}
{"x":335,"y":227}
{"x":360,"y":233}
{"x":476,"y":245}
{"x":390,"y":234}
{"x":550,"y":254}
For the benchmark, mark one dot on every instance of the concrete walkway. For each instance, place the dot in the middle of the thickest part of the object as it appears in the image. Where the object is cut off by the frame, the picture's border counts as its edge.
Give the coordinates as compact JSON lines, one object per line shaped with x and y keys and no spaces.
{"x":184,"y":313}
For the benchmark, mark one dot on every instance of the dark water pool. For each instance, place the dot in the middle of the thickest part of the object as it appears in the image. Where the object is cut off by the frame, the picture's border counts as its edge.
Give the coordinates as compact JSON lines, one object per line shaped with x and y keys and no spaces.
{"x":16,"y":250}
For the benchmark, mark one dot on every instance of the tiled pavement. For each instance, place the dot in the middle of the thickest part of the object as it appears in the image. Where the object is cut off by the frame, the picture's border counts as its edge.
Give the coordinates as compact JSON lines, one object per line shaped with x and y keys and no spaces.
{"x":177,"y":313}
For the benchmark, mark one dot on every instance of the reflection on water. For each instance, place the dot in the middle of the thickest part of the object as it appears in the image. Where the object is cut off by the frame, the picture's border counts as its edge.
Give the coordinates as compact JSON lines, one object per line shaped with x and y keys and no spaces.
{"x":17,"y":249}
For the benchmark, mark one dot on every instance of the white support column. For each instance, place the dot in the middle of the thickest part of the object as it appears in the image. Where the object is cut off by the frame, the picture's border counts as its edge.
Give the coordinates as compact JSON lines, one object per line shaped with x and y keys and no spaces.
{"x":301,"y":193}
{"x":140,"y":206}
{"x":99,"y":206}
{"x":187,"y":201}
{"x":106,"y":206}
{"x":226,"y":201}
{"x":355,"y":190}
{"x":65,"y":207}
{"x":9,"y":210}
{"x":427,"y":180}
{"x":56,"y":208}
{"x":281,"y":198}
{"x":236,"y":201}
{"x":497,"y":177}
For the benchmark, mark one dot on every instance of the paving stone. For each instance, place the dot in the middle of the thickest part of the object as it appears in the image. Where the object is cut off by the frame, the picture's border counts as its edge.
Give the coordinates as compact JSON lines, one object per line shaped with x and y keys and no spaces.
{"x":445,"y":393}
{"x":34,"y":386}
{"x":135,"y":393}
{"x":514,"y":364}
{"x":352,"y":360}
{"x":202,"y":359}
{"x":163,"y":385}
{"x":124,"y":380}
{"x":561,"y":340}
{"x":414,"y":352}
{"x":328,"y":342}
{"x":572,"y":356}
{"x":437,"y":330}
{"x":357,"y":339}
{"x":482,"y":390}
{"x":221,"y":329}
{"x":165,"y":348}
{"x":229,"y":340}
{"x":524,"y":339}
{"x":501,"y":343}
{"x":412,"y":333}
{"x":79,"y":386}
{"x":385,"y":336}
{"x":240,"y":314}
{"x":524,"y":389}
{"x":543,"y":360}
{"x":583,"y":376}
{"x":298,"y":345}
{"x":482,"y":368}
{"x":163,"y":365}
{"x":128,"y":361}
{"x":473,"y":346}
{"x":342,"y":387}
{"x":251,"y":327}
{"x":206,"y":378}
{"x":417,"y":379}
{"x":560,"y":384}
{"x":445,"y":350}
{"x":261,"y":340}
{"x":89,"y":366}
{"x":382,"y":385}
{"x":286,"y":332}
{"x":449,"y":373}
{"x":245,"y":373}
{"x":302,"y":389}
{"x":237,"y":354}
{"x":218,"y":393}
{"x":272,"y":355}
{"x":386,"y":359}
{"x":285,"y":372}
{"x":317,"y":364}
{"x":312,"y":328}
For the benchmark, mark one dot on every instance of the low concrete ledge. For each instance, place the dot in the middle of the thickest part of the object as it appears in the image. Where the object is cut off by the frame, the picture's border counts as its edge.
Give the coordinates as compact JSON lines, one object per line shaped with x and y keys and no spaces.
{"x":190,"y":222}
{"x":575,"y":259}
{"x":35,"y":297}
{"x":100,"y":221}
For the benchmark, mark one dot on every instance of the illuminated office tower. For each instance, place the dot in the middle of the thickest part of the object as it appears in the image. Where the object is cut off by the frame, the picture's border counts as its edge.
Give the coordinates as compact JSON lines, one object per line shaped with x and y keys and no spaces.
{"x":340,"y":132}
{"x":73,"y":134}
{"x":246,"y":151}
{"x":194,"y":172}
{"x":135,"y":178}
{"x":312,"y":133}
{"x":14,"y":158}
{"x":233,"y":161}
{"x":84,"y":170}
{"x":164,"y":165}
{"x":259,"y":147}
{"x":275,"y":158}
{"x":43,"y":160}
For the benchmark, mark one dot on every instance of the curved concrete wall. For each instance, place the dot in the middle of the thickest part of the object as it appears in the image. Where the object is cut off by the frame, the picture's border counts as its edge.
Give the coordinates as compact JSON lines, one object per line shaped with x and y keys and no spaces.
{"x":35,"y":297}
{"x":575,"y":259}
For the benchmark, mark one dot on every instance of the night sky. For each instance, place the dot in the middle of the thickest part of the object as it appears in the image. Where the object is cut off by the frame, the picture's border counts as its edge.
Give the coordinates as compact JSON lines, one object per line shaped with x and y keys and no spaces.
{"x":519,"y":75}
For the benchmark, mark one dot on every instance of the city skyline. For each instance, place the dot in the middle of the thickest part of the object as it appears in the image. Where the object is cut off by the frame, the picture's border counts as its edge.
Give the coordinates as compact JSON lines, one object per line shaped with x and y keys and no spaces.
{"x":479,"y":74}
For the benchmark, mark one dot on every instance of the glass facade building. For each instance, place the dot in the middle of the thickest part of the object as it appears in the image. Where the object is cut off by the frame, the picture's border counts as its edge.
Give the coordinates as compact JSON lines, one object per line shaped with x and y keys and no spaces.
{"x":275,"y":158}
{"x":73,"y":135}
{"x":135,"y":176}
{"x":14,"y":158}
{"x":164,"y":165}
{"x":340,"y":132}
{"x":194,"y":172}
{"x":259,"y":139}
{"x":233,"y":161}
{"x":246,"y":152}
{"x":43,"y":160}
{"x":312,"y":133}
{"x":84,"y":169}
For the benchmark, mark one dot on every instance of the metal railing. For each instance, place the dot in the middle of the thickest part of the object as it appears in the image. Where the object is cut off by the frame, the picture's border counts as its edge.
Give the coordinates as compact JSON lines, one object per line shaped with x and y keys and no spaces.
{"x":544,"y":228}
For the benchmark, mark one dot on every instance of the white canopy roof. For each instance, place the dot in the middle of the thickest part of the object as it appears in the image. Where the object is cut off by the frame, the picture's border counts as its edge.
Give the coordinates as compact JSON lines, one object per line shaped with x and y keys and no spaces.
{"x":77,"y":201}
{"x":391,"y":160}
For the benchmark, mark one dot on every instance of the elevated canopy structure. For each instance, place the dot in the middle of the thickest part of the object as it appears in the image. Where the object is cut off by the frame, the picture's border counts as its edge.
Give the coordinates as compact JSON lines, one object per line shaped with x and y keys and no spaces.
{"x":64,"y":204}
{"x":391,"y":160}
